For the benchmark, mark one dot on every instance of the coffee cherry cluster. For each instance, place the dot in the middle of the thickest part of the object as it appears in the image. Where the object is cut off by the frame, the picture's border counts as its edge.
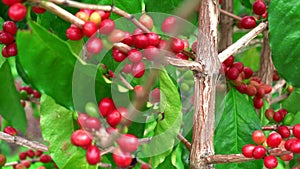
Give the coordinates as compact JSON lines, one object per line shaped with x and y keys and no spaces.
{"x":27,"y":93}
{"x":25,"y":163}
{"x":281,"y":138}
{"x":280,"y":116}
{"x":241,"y":78}
{"x":9,"y":29}
{"x":259,"y":8}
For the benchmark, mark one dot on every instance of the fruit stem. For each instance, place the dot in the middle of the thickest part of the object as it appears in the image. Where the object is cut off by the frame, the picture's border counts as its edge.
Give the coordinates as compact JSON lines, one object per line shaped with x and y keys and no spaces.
{"x":279,"y":98}
{"x":230,"y":14}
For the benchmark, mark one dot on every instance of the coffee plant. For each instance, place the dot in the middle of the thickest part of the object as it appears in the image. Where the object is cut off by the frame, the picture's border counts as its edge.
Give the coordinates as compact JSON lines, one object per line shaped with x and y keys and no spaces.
{"x":197,"y":84}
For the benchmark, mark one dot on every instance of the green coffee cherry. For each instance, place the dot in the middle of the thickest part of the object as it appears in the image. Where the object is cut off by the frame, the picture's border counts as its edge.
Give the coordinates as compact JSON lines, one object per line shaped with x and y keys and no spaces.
{"x":92,"y":109}
{"x":288,"y":119}
{"x":184,"y":87}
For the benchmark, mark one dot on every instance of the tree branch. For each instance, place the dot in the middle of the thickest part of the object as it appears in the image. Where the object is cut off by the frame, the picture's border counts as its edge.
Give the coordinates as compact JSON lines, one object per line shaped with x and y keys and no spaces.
{"x":279,"y":84}
{"x":23,"y":142}
{"x":242,"y":42}
{"x":230,"y":14}
{"x":279,"y":98}
{"x":184,"y":141}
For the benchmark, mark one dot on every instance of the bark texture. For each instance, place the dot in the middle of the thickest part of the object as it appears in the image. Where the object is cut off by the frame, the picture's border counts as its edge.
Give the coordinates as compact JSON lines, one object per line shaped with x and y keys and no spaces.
{"x":226,"y":23}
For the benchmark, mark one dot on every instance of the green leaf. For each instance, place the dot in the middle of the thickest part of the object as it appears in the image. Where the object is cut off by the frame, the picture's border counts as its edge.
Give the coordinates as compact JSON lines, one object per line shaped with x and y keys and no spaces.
{"x":176,"y":157}
{"x":285,"y":37}
{"x":167,"y":129}
{"x":49,"y":65}
{"x":78,"y":161}
{"x":10,"y":105}
{"x":57,"y":128}
{"x":246,"y":3}
{"x":166,"y":6}
{"x":238,"y":121}
{"x":166,"y":164}
{"x":291,"y":103}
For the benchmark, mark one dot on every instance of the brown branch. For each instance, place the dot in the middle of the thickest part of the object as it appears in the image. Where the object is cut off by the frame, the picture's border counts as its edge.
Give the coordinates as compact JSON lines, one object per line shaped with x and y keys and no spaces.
{"x":226,"y":24}
{"x":279,"y":98}
{"x":18,"y":162}
{"x":185,"y":142}
{"x":23,"y":142}
{"x":230,"y":14}
{"x":124,"y":81}
{"x":242,"y":42}
{"x":104,"y":165}
{"x":274,"y":127}
{"x":279,"y":84}
{"x":145,"y":140}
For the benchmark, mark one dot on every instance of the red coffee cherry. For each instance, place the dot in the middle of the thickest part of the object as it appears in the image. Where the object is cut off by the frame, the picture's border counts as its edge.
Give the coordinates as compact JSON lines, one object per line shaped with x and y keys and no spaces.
{"x":22,"y":156}
{"x":141,"y":41}
{"x":182,"y":56}
{"x":283,"y":112}
{"x":296,"y":131}
{"x":122,"y":159}
{"x":274,"y":140}
{"x":247,"y":150}
{"x":288,"y":143}
{"x":259,"y":152}
{"x":17,"y":12}
{"x":277,"y":117}
{"x":116,"y":35}
{"x":232,"y":73}
{"x":89,"y":28}
{"x":10,"y":130}
{"x":258,"y":137}
{"x":259,"y":7}
{"x":107,"y":26}
{"x":242,"y":88}
{"x":239,"y":66}
{"x":11,"y":2}
{"x":229,"y":61}
{"x":194,"y":48}
{"x":153,"y":39}
{"x":269,"y":113}
{"x":105,"y":106}
{"x":38,"y":153}
{"x":38,"y":10}
{"x":127,"y":68}
{"x":138,"y":69}
{"x":177,"y":45}
{"x":93,"y":155}
{"x":135,"y":56}
{"x":248,"y":72}
{"x":128,"y":40}
{"x":6,"y":38}
{"x":128,"y":143}
{"x":74,"y":33}
{"x":147,"y":21}
{"x":10,"y":27}
{"x":81,"y":119}
{"x":284,"y":131}
{"x":248,"y":22}
{"x":287,"y":157}
{"x":11,"y":49}
{"x":258,"y":102}
{"x":155,"y":95}
{"x":168,"y":24}
{"x":92,"y":123}
{"x":113,"y":118}
{"x":260,"y":93}
{"x":295,"y":147}
{"x":270,"y":162}
{"x":145,"y":166}
{"x":2,"y":160}
{"x":118,"y":56}
{"x":151,"y":52}
{"x":104,"y":15}
{"x":81,"y":138}
{"x":94,"y":45}
{"x":44,"y":158}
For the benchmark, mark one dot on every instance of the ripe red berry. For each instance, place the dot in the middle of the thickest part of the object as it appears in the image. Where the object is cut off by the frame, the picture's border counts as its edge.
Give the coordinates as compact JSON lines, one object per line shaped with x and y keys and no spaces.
{"x":138,"y":69}
{"x":122,"y":159}
{"x":247,"y":150}
{"x":38,"y":153}
{"x":104,"y":14}
{"x":153,"y":39}
{"x":151,"y":52}
{"x":155,"y":95}
{"x":74,"y":33}
{"x":284,"y":131}
{"x":6,"y":38}
{"x":128,"y":40}
{"x":22,"y":156}
{"x":239,"y":66}
{"x":11,"y":2}
{"x":248,"y":72}
{"x":270,"y":162}
{"x":113,"y":118}
{"x":30,"y":153}
{"x":92,"y":123}
{"x":147,"y":21}
{"x":116,"y":35}
{"x":128,"y":143}
{"x":36,"y":94}
{"x":274,"y":140}
{"x":168,"y":24}
{"x":105,"y":106}
{"x":258,"y":137}
{"x":118,"y":56}
{"x":275,"y":76}
{"x":2,"y":160}
{"x":81,"y":119}
{"x":93,"y":155}
{"x":288,"y":143}
{"x":248,"y":22}
{"x":259,"y":7}
{"x":141,"y":41}
{"x":194,"y":47}
{"x":259,"y":152}
{"x":11,"y":49}
{"x":296,"y":131}
{"x":124,"y":113}
{"x":81,"y":138}
{"x":127,"y":68}
{"x":277,"y":117}
{"x":283,"y":112}
{"x":89,"y":28}
{"x":258,"y":102}
{"x":269,"y":113}
{"x":232,"y":73}
{"x":287,"y":157}
{"x":10,"y":130}
{"x":135,"y":56}
{"x":145,"y":166}
{"x":295,"y":147}
{"x":10,"y":27}
{"x":182,"y":56}
{"x":94,"y":45}
{"x":107,"y":26}
{"x":44,"y":158}
{"x":242,"y":88}
{"x":177,"y":45}
{"x":38,"y":10}
{"x":17,"y":12}
{"x":229,"y":61}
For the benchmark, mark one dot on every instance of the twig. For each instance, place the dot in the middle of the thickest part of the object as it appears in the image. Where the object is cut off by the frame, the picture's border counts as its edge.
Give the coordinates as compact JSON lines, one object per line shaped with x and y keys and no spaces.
{"x":107,"y":150}
{"x":230,"y":14}
{"x":280,"y":83}
{"x":23,"y":142}
{"x":279,"y":98}
{"x":242,"y":42}
{"x":124,"y":81}
{"x":104,"y":165}
{"x":145,"y":140}
{"x":191,"y":65}
{"x":185,"y":142}
{"x":18,"y":162}
{"x":274,"y":127}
